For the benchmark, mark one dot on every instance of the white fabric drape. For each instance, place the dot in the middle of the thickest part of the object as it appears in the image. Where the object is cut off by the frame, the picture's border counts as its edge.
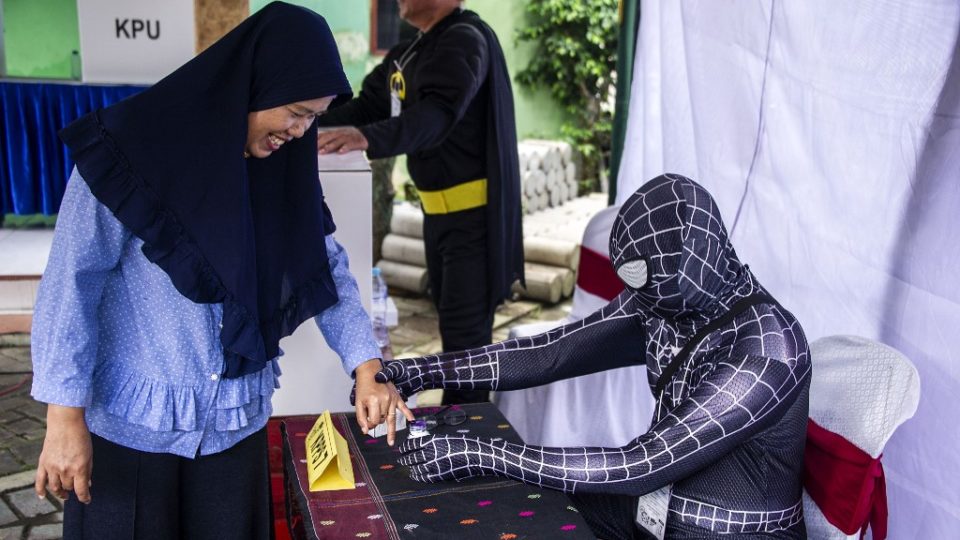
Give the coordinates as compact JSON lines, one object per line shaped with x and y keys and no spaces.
{"x":609,"y":408}
{"x":833,"y":130}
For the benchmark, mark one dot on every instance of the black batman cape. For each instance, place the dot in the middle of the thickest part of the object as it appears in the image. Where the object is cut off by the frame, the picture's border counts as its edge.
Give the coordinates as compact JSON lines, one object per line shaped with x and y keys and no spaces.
{"x":504,"y":222}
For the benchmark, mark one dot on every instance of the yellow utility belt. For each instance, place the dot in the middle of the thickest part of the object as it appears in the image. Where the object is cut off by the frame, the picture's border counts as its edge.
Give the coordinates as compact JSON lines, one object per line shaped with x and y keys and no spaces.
{"x":464,"y":196}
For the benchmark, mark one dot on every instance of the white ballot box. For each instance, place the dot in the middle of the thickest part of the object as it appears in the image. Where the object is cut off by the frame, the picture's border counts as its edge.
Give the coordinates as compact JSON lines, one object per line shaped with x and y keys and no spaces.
{"x":313,"y":379}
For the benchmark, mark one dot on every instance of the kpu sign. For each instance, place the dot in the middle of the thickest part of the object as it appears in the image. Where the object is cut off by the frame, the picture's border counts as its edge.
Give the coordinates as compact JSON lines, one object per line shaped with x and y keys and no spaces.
{"x":137,"y":26}
{"x":134,"y":41}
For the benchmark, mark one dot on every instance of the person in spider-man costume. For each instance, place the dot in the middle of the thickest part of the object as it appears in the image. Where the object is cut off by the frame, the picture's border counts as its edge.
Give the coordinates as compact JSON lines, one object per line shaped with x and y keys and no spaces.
{"x":730,"y":422}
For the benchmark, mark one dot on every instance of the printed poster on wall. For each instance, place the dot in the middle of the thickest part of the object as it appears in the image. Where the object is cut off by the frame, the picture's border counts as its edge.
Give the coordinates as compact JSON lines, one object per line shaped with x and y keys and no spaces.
{"x":134,"y":41}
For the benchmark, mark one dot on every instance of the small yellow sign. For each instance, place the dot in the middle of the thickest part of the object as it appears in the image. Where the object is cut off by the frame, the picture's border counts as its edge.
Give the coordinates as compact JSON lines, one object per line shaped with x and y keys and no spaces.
{"x":398,"y":85}
{"x":324,"y":445}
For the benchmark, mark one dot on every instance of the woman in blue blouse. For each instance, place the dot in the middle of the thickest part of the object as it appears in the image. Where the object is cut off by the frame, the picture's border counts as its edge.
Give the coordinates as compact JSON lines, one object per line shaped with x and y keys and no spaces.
{"x":192,"y":237}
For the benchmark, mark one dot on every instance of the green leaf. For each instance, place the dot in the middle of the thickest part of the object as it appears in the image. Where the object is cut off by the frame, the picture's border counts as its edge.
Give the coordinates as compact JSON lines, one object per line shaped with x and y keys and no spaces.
{"x":574,"y":58}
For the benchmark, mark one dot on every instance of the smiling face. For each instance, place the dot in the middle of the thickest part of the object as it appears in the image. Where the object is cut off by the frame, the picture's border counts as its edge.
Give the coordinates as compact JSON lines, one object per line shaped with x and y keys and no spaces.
{"x":269,"y":129}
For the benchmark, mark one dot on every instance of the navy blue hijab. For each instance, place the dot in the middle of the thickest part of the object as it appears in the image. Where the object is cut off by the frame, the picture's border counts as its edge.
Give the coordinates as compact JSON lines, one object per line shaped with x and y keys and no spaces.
{"x":248,"y":233}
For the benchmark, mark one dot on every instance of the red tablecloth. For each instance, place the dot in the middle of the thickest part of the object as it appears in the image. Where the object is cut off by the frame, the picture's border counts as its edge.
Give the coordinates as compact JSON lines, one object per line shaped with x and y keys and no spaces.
{"x":386,"y":504}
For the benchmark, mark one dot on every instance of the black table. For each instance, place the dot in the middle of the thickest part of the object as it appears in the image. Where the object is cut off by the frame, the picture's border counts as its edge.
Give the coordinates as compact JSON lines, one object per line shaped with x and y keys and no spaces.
{"x":387,"y":504}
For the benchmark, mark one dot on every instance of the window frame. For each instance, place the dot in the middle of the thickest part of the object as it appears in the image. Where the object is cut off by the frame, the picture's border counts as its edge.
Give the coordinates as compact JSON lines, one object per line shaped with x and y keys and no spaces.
{"x":374,"y":30}
{"x":375,"y":49}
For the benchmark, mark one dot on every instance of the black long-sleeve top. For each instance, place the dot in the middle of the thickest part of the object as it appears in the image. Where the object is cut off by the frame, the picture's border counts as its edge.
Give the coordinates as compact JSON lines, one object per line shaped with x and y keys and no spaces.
{"x":443,"y":119}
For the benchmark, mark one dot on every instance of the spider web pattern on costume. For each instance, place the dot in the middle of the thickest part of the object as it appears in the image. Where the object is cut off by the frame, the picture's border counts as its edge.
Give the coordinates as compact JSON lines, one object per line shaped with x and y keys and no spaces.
{"x":731,"y":402}
{"x":729,"y":522}
{"x":746,"y":380}
{"x":762,"y":331}
{"x":675,"y":225}
{"x":584,"y":346}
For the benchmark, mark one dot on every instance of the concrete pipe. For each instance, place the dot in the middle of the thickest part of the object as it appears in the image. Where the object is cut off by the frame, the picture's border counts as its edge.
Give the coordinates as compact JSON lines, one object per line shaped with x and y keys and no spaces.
{"x":404,"y":249}
{"x":404,"y":276}
{"x":551,"y":251}
{"x":407,"y":220}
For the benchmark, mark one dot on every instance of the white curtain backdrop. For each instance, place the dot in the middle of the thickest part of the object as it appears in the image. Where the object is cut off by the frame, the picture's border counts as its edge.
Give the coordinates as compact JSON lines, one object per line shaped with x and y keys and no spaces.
{"x":833,"y":130}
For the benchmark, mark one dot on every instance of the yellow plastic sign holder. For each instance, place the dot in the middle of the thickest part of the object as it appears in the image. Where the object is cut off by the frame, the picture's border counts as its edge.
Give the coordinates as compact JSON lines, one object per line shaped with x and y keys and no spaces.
{"x":326,"y":445}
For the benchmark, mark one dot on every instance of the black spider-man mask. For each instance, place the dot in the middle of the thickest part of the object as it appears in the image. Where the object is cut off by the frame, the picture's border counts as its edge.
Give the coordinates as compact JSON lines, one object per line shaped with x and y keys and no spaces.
{"x":669,"y":246}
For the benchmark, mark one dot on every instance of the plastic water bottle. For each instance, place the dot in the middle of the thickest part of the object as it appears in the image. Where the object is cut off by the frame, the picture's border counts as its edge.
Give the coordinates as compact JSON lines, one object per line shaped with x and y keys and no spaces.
{"x":378,"y":309}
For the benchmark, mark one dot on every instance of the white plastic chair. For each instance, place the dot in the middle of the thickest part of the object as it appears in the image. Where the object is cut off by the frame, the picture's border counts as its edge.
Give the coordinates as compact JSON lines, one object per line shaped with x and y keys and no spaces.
{"x":861,"y":390}
{"x":603,"y":409}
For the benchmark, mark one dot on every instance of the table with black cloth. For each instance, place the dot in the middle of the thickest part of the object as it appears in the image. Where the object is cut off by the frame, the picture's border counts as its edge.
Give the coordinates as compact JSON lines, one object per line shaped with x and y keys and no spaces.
{"x":387,"y":504}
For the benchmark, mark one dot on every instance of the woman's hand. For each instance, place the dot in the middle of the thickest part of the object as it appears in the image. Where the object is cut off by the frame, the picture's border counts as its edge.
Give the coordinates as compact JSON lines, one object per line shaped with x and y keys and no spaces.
{"x":66,"y":461}
{"x":410,"y":375}
{"x":377,"y":402}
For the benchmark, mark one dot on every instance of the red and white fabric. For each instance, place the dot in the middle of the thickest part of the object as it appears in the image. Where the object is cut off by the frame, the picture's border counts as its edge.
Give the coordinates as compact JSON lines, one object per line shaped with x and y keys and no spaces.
{"x":860,"y":392}
{"x":603,"y":409}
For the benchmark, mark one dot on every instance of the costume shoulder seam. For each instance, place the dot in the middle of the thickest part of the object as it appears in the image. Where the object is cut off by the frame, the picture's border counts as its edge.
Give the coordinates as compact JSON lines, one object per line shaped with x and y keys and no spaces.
{"x":472,"y":29}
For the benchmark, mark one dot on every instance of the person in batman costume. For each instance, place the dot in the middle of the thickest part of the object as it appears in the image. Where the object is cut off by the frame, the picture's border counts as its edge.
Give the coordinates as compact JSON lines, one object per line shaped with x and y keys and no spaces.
{"x":729,"y":368}
{"x":444,"y":99}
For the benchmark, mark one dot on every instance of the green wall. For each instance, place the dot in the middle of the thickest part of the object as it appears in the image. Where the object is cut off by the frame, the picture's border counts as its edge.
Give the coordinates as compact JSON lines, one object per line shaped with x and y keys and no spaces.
{"x":537,"y":115}
{"x":39,"y":37}
{"x":350,"y":23}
